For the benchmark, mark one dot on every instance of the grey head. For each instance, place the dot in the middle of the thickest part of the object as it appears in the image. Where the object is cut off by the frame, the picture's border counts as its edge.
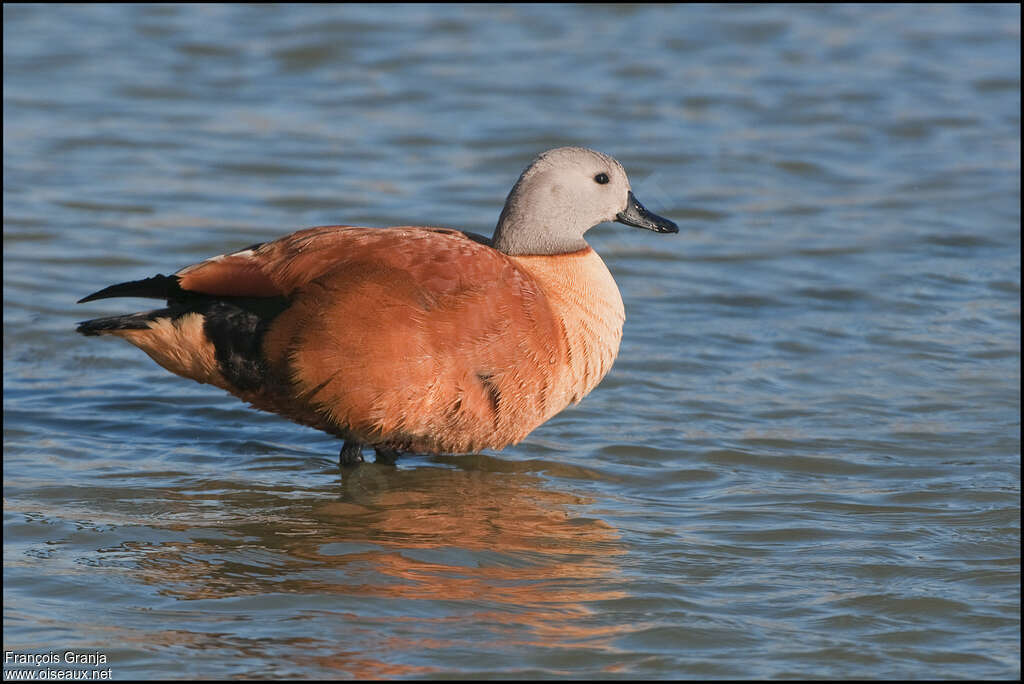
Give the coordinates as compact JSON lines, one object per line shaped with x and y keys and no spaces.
{"x":564,"y":193}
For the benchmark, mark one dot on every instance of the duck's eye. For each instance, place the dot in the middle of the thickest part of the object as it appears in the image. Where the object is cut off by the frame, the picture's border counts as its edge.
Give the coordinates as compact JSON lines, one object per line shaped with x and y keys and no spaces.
{"x":601,"y":178}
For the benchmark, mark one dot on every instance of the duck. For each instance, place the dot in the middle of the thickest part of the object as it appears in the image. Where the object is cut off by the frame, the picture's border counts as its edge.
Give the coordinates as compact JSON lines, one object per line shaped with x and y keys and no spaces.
{"x":407,"y":339}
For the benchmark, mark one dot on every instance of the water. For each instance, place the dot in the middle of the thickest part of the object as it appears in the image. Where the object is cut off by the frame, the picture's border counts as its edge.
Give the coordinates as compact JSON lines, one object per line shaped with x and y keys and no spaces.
{"x":805,"y":463}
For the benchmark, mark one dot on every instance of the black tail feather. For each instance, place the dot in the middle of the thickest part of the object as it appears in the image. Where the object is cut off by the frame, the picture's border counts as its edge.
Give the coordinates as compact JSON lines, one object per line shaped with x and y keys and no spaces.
{"x":135,"y":321}
{"x":157,"y":287}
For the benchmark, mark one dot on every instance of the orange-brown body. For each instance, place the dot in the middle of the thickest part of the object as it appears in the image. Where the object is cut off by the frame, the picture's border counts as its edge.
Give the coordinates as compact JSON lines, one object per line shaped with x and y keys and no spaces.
{"x":415,"y":339}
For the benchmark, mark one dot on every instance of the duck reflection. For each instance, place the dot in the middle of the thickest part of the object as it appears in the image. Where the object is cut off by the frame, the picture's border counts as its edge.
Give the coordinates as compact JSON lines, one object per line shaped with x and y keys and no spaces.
{"x":466,"y":540}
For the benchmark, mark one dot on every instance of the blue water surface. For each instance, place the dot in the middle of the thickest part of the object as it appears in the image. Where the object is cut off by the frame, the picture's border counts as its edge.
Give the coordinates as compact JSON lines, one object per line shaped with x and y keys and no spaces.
{"x":804,"y":464}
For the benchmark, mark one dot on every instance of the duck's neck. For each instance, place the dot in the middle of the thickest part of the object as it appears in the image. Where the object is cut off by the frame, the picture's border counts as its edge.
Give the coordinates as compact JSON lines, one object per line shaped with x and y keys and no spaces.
{"x":587,"y":301}
{"x":539,"y":241}
{"x":533,"y":222}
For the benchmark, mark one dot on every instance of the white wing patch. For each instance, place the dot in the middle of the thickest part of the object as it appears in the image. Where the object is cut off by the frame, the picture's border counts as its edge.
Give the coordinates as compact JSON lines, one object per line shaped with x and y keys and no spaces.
{"x":245,"y":254}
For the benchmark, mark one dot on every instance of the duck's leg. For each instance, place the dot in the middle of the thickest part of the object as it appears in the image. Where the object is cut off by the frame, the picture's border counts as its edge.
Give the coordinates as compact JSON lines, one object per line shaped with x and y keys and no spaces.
{"x":386,"y":456}
{"x":351,"y":454}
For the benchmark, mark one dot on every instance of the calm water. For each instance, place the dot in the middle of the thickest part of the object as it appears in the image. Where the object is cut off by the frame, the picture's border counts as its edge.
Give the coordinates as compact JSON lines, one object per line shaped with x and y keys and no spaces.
{"x":805,"y":463}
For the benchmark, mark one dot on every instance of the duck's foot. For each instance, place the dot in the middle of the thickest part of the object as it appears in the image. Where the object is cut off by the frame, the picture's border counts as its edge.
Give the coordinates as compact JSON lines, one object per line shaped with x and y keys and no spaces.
{"x":351,"y":454}
{"x":386,"y":456}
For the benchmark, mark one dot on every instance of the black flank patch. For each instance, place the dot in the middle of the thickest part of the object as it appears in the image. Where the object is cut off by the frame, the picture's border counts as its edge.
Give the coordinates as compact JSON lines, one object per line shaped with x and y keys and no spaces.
{"x":236,"y":326}
{"x":493,"y":393}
